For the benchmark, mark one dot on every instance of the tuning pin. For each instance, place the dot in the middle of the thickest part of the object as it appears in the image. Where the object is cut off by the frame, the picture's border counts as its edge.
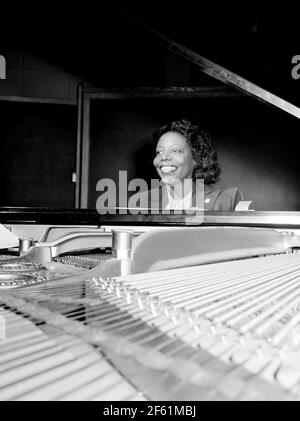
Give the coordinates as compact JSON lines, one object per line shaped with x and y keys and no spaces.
{"x":168,"y":308}
{"x":111,"y":285}
{"x":109,"y":288}
{"x":128,"y":296}
{"x":191,"y":319}
{"x":94,"y":282}
{"x":134,"y":294}
{"x":176,"y":316}
{"x":103,"y":282}
{"x":142,"y":299}
{"x":154,"y":303}
{"x":120,"y":289}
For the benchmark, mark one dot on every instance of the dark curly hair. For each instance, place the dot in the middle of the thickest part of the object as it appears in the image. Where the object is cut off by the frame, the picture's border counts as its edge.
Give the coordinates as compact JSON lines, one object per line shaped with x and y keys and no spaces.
{"x":203,"y":150}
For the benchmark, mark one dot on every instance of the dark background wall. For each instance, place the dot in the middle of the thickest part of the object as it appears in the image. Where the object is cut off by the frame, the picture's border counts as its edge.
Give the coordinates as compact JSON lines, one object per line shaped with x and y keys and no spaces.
{"x":48,"y":54}
{"x":38,"y":154}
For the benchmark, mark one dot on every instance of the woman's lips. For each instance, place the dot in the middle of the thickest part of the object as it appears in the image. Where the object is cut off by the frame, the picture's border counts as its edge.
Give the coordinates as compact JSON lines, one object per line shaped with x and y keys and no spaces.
{"x":167,"y":169}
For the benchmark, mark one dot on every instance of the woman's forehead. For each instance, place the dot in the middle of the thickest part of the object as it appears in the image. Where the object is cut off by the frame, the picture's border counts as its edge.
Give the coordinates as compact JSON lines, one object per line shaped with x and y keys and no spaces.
{"x":172,"y":138}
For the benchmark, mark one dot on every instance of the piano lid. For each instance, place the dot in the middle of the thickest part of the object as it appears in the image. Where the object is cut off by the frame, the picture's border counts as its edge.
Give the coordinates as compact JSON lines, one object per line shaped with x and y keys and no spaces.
{"x":252,"y":51}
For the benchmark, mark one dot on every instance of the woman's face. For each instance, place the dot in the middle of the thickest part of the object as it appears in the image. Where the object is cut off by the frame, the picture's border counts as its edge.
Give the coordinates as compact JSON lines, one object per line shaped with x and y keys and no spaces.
{"x":174,"y":160}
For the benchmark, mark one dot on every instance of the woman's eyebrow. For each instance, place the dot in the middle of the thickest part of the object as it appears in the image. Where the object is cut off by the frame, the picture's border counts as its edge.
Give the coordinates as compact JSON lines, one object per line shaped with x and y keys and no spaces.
{"x":172,"y":144}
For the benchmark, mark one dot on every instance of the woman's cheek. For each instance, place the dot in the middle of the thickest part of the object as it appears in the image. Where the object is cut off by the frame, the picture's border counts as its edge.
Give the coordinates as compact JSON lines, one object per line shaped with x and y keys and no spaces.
{"x":155,"y":162}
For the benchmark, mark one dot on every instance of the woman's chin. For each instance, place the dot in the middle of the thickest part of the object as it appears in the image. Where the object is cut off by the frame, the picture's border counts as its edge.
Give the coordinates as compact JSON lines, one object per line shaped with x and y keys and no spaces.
{"x":169,"y":179}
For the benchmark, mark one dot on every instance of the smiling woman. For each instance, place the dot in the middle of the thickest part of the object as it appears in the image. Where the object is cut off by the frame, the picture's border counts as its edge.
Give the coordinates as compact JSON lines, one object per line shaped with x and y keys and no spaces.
{"x":174,"y":159}
{"x":187,"y":164}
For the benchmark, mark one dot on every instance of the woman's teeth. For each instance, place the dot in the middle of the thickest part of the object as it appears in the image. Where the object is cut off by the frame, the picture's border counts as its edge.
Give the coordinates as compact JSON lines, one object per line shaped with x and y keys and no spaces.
{"x":167,"y":170}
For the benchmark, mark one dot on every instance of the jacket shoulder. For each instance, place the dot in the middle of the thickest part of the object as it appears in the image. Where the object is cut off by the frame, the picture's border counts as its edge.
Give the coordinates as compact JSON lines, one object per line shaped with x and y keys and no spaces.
{"x":228,"y":199}
{"x":233,"y":192}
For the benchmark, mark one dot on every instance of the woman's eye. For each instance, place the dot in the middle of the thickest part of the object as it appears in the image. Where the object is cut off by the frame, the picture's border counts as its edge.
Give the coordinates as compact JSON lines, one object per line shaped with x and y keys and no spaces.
{"x":158,"y":152}
{"x":177,"y":150}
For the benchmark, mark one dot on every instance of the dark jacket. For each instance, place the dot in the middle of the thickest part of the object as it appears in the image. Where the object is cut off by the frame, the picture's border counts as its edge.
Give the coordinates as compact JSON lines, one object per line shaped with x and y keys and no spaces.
{"x":221,"y":200}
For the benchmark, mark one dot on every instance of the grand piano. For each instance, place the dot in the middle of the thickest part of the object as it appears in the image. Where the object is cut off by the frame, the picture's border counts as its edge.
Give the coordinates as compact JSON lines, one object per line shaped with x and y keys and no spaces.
{"x":150,"y":307}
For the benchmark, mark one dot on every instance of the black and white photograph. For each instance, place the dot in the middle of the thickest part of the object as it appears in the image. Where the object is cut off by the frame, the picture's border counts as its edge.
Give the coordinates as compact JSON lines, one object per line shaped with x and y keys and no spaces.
{"x":149,"y":205}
